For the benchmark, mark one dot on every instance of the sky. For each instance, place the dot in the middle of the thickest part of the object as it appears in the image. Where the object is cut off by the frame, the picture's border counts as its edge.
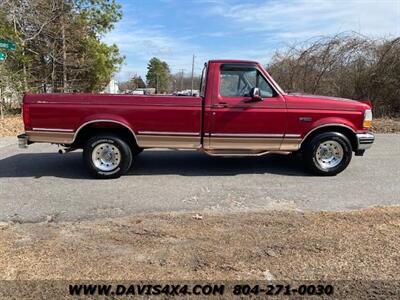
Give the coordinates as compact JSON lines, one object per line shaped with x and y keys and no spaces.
{"x":174,"y":30}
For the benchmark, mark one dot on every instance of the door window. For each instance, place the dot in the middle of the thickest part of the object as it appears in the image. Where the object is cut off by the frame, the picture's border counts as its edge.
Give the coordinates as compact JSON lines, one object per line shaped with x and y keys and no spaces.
{"x":237,"y":81}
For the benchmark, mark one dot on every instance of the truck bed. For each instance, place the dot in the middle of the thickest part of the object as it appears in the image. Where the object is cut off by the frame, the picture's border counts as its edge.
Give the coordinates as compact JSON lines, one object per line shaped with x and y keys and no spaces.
{"x":58,"y":117}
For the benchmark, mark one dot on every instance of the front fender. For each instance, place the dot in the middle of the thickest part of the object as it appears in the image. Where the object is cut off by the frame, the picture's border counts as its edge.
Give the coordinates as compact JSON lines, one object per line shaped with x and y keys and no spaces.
{"x":331,"y":121}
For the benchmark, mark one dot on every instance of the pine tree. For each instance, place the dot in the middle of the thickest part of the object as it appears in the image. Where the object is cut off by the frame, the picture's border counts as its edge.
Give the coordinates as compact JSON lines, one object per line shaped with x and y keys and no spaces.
{"x":158,"y":75}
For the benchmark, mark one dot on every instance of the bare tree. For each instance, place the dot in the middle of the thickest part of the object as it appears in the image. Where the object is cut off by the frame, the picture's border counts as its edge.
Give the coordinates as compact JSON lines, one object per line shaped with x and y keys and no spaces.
{"x":346,"y":65}
{"x":29,"y":19}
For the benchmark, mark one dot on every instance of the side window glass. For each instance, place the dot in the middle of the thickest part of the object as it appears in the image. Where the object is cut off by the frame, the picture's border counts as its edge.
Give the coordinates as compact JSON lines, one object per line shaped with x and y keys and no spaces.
{"x":251,"y":79}
{"x":266,"y":90}
{"x":237,"y":81}
{"x":229,"y":83}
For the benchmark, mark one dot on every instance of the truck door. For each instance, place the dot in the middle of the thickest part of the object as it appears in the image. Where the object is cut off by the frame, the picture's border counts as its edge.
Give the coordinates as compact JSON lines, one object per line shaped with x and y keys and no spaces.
{"x":240,"y":122}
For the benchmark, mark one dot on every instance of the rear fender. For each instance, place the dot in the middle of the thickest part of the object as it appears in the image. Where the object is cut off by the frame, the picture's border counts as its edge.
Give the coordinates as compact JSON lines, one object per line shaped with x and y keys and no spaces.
{"x":104,"y":119}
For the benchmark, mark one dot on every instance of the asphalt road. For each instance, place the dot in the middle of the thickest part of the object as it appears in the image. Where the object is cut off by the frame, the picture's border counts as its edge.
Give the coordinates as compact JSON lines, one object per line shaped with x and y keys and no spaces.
{"x":38,"y":184}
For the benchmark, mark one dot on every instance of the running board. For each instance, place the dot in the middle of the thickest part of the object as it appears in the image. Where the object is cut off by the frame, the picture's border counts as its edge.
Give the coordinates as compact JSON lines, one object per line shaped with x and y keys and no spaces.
{"x":243,"y":152}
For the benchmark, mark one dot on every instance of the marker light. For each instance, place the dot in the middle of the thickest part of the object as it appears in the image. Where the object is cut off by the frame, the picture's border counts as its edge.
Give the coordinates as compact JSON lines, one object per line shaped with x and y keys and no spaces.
{"x":367,"y":119}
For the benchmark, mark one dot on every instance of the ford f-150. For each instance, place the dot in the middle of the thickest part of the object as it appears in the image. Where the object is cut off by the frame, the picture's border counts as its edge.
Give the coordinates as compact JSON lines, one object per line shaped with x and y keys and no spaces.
{"x":241,"y":110}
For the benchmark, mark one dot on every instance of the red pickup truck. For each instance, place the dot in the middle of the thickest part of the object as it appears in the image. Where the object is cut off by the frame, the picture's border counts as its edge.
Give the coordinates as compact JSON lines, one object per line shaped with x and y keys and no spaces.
{"x":241,"y":110}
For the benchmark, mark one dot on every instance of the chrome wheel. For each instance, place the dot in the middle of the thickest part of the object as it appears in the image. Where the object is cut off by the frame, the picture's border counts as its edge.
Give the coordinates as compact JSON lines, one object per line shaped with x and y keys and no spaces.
{"x":106,"y":157}
{"x":329,"y":154}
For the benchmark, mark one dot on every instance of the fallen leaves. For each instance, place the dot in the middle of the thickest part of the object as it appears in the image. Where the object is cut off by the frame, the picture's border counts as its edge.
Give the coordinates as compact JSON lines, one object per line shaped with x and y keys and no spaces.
{"x":11,"y":126}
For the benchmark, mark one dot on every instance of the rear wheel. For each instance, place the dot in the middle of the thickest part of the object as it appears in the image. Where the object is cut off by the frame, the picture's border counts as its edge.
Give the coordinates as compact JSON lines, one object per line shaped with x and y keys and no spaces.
{"x":107,"y":156}
{"x":328,"y":153}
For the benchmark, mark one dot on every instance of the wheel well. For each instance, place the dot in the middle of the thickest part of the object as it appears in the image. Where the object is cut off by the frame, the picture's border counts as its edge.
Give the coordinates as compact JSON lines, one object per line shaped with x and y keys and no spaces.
{"x":104,"y":128}
{"x":343,"y":130}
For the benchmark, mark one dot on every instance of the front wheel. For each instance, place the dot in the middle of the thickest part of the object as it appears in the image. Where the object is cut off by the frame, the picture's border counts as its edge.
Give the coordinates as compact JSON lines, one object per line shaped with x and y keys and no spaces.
{"x":107,"y":156}
{"x":328,"y":153}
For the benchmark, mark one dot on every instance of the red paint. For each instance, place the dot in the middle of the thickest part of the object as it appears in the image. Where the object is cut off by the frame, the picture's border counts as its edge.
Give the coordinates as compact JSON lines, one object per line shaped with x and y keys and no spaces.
{"x":26,"y":115}
{"x":276,"y":115}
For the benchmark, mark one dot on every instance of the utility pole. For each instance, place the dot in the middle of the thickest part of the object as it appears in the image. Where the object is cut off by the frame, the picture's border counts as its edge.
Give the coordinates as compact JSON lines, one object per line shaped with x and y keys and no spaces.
{"x":182,"y":79}
{"x":191,"y":93}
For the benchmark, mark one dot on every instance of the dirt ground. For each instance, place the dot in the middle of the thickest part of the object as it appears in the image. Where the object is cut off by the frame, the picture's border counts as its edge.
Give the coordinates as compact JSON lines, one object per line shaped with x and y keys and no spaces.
{"x":386,"y":125}
{"x":12,"y":126}
{"x":277,"y":244}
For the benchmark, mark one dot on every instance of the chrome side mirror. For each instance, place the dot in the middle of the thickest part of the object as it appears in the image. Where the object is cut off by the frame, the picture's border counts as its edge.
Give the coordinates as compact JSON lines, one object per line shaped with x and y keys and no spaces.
{"x":255,"y":94}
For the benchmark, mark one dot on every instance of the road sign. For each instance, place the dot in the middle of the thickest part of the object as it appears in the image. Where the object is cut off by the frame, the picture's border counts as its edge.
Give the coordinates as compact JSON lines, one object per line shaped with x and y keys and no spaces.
{"x":7,"y":45}
{"x":3,"y":56}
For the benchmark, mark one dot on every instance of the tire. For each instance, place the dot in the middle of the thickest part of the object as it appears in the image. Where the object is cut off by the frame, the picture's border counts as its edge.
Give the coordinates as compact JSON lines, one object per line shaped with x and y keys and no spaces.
{"x":136,"y":151}
{"x":107,"y":156}
{"x":328,"y":153}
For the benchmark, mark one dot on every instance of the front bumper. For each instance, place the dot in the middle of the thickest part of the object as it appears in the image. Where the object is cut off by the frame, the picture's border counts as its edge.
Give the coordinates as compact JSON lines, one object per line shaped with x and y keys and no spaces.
{"x":364,"y":140}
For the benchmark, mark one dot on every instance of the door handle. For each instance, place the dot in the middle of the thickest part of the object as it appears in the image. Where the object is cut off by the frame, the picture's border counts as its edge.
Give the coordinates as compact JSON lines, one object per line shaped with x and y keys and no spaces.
{"x":220,"y":105}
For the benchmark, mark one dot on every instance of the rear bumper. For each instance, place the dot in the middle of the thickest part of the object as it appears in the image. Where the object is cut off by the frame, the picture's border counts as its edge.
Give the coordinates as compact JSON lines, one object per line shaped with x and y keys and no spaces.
{"x":23,"y":141}
{"x":364,"y":140}
{"x":45,"y":136}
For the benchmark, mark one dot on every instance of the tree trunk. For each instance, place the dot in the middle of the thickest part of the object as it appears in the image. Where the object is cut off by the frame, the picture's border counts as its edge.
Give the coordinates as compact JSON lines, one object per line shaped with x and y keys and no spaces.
{"x":24,"y":68}
{"x":1,"y":105}
{"x":53,"y":68}
{"x":64,"y":51}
